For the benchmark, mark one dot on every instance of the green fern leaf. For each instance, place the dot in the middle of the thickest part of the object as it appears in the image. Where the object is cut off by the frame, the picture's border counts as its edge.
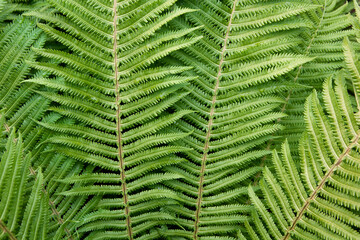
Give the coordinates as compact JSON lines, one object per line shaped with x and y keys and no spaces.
{"x":21,"y":217}
{"x":234,"y":98}
{"x":120,"y":140}
{"x":22,"y":108}
{"x":113,"y":93}
{"x":319,"y":201}
{"x":322,"y":42}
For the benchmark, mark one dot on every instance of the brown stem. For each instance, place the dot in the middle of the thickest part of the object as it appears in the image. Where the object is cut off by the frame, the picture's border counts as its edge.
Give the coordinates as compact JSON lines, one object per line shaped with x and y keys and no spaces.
{"x":118,"y":129}
{"x":320,"y":186}
{"x":7,"y":231}
{"x":57,"y":215}
{"x":208,"y":134}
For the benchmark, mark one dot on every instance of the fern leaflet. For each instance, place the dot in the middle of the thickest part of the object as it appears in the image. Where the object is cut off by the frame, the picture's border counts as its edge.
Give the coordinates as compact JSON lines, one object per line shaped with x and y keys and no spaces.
{"x":317,"y":202}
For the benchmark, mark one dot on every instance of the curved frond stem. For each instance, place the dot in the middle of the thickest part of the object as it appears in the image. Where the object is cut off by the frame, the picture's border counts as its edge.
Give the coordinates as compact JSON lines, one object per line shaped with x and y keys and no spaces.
{"x":320,"y":186}
{"x":7,"y":231}
{"x":118,"y":128}
{"x":210,"y":123}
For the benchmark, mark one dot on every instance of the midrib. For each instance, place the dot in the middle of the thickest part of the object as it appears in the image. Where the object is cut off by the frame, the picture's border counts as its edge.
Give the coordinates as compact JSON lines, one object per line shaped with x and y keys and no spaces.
{"x":6,"y":230}
{"x":57,"y":214}
{"x":210,"y":123}
{"x":319,"y":187}
{"x":118,"y":130}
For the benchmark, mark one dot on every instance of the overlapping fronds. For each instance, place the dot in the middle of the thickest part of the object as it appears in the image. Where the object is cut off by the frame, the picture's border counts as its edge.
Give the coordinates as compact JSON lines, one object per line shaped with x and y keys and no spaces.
{"x":67,"y":211}
{"x":22,"y":106}
{"x":6,"y":10}
{"x":234,"y":99}
{"x":10,"y":11}
{"x":113,"y":94}
{"x":321,"y":199}
{"x":24,"y":210}
{"x":22,"y":109}
{"x":30,"y":207}
{"x":322,"y":42}
{"x":356,"y":21}
{"x":148,"y":119}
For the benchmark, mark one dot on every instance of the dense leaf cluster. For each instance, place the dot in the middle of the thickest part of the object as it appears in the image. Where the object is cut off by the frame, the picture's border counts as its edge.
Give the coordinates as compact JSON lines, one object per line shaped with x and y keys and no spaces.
{"x":179,"y":119}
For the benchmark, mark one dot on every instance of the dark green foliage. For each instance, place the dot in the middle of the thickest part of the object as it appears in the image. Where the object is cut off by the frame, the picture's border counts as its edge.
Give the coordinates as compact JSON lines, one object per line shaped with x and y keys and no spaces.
{"x":22,"y":108}
{"x":322,"y":41}
{"x":114,"y":96}
{"x":18,"y":99}
{"x":156,"y":119}
{"x":23,"y":203}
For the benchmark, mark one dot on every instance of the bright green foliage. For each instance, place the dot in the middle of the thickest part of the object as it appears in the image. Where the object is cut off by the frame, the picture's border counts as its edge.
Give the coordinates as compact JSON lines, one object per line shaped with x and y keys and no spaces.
{"x":24,"y":212}
{"x":323,"y":42}
{"x":67,"y":212}
{"x":114,"y":95}
{"x":242,"y":51}
{"x":149,"y":119}
{"x":321,"y":200}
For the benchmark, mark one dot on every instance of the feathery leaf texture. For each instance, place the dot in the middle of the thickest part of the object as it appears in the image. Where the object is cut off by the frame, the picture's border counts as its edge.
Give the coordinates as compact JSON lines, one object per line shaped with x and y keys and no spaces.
{"x":319,"y":201}
{"x":24,"y":212}
{"x":234,"y":98}
{"x":322,"y":42}
{"x":18,"y":100}
{"x":114,"y":93}
{"x":22,"y":109}
{"x":154,"y":119}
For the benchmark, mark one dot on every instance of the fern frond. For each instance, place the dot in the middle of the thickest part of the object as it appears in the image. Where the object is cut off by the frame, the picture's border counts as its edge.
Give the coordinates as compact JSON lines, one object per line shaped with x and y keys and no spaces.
{"x":28,"y":195}
{"x":149,"y":119}
{"x":322,"y":42}
{"x":22,"y":216}
{"x":234,"y":98}
{"x":319,"y":201}
{"x":113,"y":95}
{"x":12,"y":10}
{"x":21,"y":105}
{"x":23,"y":108}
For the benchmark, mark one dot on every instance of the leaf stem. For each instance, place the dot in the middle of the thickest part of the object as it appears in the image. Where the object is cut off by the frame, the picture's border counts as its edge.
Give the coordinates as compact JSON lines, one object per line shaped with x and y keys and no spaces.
{"x":320,"y":186}
{"x":208,"y":133}
{"x":118,"y":129}
{"x":6,"y":230}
